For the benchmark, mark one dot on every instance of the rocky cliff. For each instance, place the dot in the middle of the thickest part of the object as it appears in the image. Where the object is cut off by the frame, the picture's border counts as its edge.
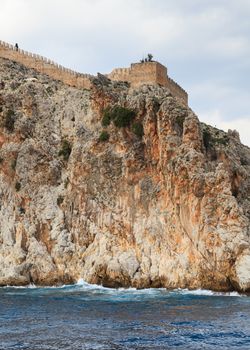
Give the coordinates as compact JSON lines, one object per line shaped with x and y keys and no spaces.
{"x":161,"y":201}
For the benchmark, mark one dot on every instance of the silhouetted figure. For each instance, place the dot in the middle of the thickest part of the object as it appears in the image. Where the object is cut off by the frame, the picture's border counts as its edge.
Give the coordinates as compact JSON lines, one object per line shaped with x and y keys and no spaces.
{"x":16,"y":47}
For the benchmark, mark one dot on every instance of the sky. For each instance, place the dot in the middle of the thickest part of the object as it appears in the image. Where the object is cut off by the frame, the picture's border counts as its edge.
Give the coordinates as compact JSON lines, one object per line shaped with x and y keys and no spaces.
{"x":205,"y":44}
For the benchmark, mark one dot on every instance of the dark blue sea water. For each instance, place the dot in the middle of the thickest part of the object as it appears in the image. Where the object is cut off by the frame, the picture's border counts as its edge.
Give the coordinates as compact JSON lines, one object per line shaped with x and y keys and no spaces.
{"x":91,"y":317}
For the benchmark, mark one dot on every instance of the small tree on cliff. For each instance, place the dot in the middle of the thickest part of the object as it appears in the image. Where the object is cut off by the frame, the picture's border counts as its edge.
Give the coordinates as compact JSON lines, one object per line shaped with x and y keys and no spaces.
{"x":150,"y":57}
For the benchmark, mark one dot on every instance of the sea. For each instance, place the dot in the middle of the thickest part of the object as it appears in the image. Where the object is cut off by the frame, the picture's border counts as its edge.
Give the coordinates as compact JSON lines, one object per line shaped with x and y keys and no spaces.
{"x":84,"y":316}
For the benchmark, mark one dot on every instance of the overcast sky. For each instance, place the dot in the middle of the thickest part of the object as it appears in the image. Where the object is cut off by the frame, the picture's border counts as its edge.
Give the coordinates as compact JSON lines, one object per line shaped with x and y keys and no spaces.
{"x":204,"y":43}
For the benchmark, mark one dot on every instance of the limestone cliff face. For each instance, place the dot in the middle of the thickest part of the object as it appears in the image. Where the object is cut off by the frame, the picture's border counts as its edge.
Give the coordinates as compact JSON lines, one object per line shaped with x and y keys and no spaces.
{"x":168,"y":209}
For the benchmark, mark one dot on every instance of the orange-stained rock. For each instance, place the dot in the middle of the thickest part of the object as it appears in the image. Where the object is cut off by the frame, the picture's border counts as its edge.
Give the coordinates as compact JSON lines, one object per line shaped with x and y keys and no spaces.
{"x":170,"y":208}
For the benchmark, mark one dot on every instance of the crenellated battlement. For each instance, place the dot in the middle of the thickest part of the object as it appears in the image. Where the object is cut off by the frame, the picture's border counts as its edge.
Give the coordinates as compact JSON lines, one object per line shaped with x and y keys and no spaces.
{"x":137,"y":74}
{"x":45,"y":65}
{"x":149,"y":73}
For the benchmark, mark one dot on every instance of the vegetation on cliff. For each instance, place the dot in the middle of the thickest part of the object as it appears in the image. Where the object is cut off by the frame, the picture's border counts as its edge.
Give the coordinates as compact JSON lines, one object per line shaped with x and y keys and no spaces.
{"x":137,"y":194}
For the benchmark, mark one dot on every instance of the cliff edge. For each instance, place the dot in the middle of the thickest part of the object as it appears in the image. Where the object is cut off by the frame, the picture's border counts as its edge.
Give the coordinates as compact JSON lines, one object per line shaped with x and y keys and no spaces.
{"x":119,"y":186}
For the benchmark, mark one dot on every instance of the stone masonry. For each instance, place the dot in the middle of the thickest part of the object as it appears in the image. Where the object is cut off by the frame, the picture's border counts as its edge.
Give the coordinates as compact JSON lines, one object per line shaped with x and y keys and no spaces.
{"x":45,"y":66}
{"x":149,"y":73}
{"x":138,"y":74}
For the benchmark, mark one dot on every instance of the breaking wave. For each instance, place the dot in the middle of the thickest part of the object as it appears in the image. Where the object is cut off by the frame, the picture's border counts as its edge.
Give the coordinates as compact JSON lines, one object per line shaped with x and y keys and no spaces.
{"x":83,"y":286}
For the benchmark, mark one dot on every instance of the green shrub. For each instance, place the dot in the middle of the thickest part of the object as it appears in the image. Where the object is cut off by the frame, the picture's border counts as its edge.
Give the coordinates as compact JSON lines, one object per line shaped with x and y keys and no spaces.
{"x":17,"y":186}
{"x":210,"y":141}
{"x":243,"y":161}
{"x":21,"y":210}
{"x":180,"y":120}
{"x":66,"y":182}
{"x":207,"y":138}
{"x":49,"y":90}
{"x":150,"y":57}
{"x":104,"y":136}
{"x":60,"y":200}
{"x":65,"y":150}
{"x":9,"y":120}
{"x":137,"y":129}
{"x":222,"y":140}
{"x":106,"y":117}
{"x":13,"y":164}
{"x":122,"y":116}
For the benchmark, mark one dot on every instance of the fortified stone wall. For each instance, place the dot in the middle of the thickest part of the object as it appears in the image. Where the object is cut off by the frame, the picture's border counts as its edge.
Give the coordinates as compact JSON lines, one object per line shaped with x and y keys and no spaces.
{"x":45,"y":65}
{"x":149,"y":73}
{"x":137,"y":74}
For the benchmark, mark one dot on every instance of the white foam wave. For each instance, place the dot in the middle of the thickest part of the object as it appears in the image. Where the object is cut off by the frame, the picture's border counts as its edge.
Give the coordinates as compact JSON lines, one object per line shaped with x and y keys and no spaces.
{"x":207,"y":292}
{"x":29,"y":286}
{"x":88,"y":286}
{"x":82,"y":285}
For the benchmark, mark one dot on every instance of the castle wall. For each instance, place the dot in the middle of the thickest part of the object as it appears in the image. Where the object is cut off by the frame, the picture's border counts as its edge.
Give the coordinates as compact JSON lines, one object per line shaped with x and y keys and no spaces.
{"x":161,"y":74}
{"x":118,"y":73}
{"x":143,"y":74}
{"x":137,"y":74}
{"x":46,"y":66}
{"x":149,"y":73}
{"x":176,"y":90}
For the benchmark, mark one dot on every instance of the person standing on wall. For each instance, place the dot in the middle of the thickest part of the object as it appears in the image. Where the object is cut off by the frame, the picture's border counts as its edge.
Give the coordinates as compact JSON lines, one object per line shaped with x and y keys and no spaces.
{"x":16,"y":47}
